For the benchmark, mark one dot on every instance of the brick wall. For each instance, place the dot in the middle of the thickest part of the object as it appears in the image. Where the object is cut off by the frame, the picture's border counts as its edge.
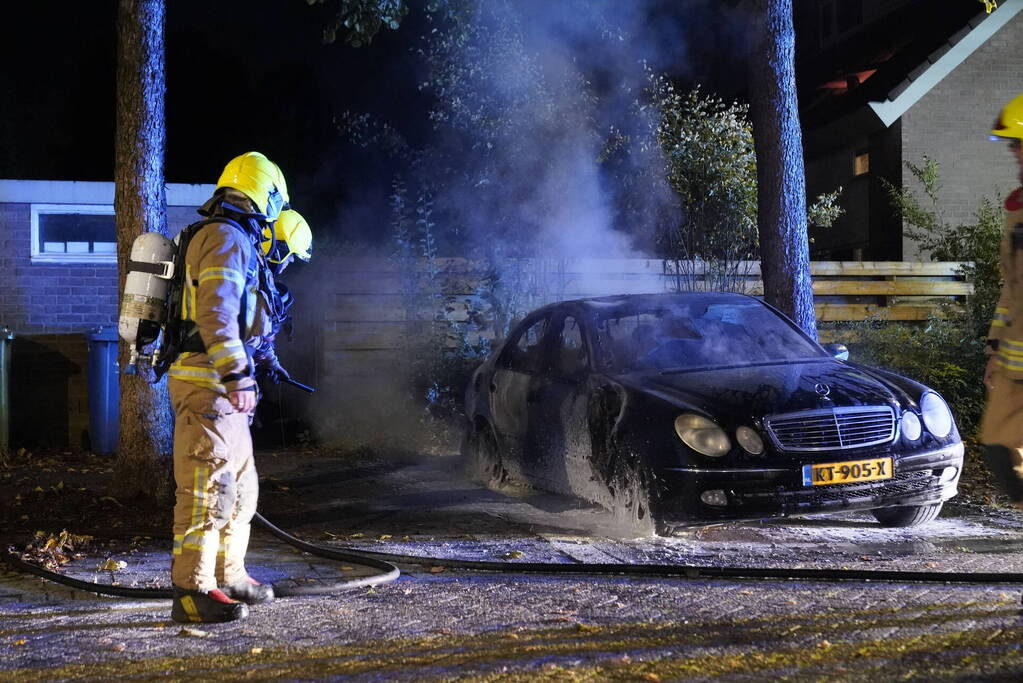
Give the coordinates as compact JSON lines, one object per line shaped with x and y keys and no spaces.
{"x":50,"y":306}
{"x":951,"y":124}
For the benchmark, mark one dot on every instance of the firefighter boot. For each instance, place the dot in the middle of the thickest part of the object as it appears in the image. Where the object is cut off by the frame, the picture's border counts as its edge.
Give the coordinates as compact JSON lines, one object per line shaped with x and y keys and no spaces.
{"x":207,"y":607}
{"x":249,"y":591}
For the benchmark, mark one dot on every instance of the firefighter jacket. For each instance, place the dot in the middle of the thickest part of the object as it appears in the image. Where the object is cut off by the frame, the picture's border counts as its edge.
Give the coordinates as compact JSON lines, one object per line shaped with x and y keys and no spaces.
{"x":1007,"y":324}
{"x":222,"y":297}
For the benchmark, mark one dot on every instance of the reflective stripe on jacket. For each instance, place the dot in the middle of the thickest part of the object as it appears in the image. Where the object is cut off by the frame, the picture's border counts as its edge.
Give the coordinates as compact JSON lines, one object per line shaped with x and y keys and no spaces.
{"x":1007,"y":323}
{"x":220,"y":275}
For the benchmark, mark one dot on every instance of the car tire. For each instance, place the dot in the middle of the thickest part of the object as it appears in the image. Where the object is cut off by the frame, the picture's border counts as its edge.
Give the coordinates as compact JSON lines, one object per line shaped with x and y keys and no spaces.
{"x":485,"y":463}
{"x":629,"y":489}
{"x":907,"y":515}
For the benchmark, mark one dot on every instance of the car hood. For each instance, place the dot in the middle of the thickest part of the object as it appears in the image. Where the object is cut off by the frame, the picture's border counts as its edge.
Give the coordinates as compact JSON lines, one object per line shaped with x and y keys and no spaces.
{"x":755,"y":391}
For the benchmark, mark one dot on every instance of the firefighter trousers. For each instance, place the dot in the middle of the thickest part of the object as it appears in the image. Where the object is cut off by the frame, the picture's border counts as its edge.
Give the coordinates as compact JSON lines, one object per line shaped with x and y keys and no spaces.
{"x":217,"y":488}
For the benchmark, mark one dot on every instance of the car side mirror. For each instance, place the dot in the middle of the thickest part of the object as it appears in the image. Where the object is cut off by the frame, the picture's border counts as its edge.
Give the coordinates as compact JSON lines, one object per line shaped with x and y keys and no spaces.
{"x":839,"y":351}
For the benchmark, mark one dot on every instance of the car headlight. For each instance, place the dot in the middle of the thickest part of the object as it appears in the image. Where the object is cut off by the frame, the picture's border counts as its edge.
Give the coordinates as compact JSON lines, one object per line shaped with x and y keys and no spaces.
{"x":937,"y":416}
{"x":749,"y":440}
{"x":702,"y":435}
{"x":910,"y":425}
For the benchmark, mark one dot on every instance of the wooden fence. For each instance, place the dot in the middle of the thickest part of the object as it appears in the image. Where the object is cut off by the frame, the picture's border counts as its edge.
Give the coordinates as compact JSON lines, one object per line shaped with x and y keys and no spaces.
{"x":360,"y":315}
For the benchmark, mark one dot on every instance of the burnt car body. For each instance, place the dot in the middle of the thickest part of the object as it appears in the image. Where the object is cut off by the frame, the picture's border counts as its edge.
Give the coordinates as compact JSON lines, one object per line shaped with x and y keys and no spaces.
{"x":704,"y":407}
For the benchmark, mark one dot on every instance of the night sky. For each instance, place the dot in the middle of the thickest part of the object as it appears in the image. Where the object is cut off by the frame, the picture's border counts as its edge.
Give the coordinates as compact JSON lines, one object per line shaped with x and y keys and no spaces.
{"x":256,"y":75}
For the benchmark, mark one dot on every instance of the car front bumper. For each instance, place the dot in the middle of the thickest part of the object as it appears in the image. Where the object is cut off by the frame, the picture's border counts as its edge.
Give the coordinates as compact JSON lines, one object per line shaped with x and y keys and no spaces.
{"x":919,"y":478}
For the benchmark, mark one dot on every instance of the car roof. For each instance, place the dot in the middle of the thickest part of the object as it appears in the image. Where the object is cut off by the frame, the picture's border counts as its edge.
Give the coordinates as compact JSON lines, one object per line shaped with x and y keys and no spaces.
{"x":623,"y":303}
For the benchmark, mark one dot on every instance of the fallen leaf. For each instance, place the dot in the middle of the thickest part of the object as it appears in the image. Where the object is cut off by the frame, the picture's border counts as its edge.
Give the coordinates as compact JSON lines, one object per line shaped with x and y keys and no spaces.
{"x":120,"y":647}
{"x":193,"y":633}
{"x":824,"y":644}
{"x":436,"y":570}
{"x":19,"y":642}
{"x":112,"y":565}
{"x":384,"y":537}
{"x":585,"y":628}
{"x":745,"y":592}
{"x":513,"y":554}
{"x":346,"y":568}
{"x":651,"y":677}
{"x":356,"y":535}
{"x":256,"y":651}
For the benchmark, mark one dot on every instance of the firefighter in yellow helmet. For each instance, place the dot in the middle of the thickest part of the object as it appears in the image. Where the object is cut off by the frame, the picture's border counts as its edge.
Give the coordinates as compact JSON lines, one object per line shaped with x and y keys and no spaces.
{"x":231,"y":307}
{"x":1002,"y":424}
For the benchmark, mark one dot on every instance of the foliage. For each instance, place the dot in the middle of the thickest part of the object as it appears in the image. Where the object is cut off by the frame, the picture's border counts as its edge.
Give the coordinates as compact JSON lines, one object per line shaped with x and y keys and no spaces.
{"x":949,"y":354}
{"x":944,"y":355}
{"x":975,"y":243}
{"x":359,"y":21}
{"x":712,"y":168}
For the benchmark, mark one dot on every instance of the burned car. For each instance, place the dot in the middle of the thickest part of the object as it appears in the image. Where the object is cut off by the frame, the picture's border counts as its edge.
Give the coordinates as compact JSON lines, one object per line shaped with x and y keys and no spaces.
{"x":694,"y":408}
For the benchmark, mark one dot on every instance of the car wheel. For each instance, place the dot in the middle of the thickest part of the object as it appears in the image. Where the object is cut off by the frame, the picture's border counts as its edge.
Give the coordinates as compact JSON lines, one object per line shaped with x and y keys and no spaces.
{"x":485,"y":459}
{"x":907,"y":515}
{"x":629,"y":489}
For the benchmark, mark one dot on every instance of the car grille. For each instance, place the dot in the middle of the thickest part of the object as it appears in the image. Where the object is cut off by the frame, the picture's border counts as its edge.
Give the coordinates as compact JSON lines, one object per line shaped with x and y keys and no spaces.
{"x":902,"y":484}
{"x":832,"y":429}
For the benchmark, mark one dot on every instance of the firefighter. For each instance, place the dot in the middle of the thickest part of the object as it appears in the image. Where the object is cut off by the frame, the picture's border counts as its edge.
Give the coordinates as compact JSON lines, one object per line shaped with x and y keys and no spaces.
{"x":1002,"y":424}
{"x":231,"y":307}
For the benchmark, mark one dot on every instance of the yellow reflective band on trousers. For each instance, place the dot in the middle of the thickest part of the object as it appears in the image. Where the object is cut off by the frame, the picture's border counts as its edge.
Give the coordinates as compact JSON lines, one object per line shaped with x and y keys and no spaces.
{"x":1002,"y":318}
{"x":195,"y":535}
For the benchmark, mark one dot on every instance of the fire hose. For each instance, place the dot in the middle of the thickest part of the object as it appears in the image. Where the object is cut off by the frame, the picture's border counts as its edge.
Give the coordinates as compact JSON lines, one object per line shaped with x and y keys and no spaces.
{"x":386,"y":563}
{"x":388,"y":571}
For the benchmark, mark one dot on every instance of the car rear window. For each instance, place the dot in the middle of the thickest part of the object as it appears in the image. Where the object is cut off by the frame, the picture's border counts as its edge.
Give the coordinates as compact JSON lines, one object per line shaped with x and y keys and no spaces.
{"x":700,"y":335}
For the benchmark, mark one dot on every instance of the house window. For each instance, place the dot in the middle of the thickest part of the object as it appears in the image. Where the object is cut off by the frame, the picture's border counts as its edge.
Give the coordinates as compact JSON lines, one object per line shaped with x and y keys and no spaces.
{"x":861,"y":163}
{"x":70,"y":233}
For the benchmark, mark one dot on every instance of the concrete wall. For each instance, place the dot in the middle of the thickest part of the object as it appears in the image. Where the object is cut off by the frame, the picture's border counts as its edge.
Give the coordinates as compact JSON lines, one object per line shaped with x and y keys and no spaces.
{"x":50,"y":305}
{"x":951,"y":124}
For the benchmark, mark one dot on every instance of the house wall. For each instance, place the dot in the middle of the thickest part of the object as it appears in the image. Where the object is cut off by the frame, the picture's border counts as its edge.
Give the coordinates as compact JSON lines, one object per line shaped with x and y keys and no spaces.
{"x":49,"y":307}
{"x":951,"y":124}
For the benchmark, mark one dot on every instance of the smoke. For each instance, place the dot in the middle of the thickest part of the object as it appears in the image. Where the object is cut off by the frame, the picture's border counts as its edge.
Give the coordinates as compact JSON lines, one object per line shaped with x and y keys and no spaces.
{"x":544,"y":143}
{"x":541,"y":144}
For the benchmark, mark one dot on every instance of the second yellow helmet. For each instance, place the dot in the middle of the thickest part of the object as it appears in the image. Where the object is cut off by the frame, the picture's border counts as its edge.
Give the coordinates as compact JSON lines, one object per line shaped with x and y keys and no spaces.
{"x":291,"y":229}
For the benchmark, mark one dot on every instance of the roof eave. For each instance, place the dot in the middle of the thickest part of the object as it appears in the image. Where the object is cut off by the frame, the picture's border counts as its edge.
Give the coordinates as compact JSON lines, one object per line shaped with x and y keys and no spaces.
{"x":890,"y":110}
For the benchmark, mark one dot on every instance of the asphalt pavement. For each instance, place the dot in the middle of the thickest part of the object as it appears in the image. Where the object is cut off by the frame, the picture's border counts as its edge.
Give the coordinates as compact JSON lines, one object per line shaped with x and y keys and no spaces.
{"x":437,"y":623}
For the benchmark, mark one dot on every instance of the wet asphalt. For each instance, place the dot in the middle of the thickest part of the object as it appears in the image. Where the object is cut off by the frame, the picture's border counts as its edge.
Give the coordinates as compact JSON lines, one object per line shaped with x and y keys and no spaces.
{"x":437,"y":623}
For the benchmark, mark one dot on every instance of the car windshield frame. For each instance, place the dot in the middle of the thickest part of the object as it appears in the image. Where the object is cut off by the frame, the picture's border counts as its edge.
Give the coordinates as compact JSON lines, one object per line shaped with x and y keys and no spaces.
{"x":698,"y":336}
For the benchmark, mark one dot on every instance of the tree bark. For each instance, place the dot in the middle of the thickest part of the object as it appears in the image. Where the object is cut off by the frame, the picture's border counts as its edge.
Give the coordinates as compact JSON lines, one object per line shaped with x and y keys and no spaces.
{"x":781,"y":180}
{"x":140,"y":204}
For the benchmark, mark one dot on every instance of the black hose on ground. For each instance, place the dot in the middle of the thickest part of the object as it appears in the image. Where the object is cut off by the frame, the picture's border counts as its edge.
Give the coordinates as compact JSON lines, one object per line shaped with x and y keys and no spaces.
{"x":387,"y":572}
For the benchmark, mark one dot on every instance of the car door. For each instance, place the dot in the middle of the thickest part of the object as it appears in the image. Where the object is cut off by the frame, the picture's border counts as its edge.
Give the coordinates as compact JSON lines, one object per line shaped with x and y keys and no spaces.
{"x":558,"y":437}
{"x":522,"y":360}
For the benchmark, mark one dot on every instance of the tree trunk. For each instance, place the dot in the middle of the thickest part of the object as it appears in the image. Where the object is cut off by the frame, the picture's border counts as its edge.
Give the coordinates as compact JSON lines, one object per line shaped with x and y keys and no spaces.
{"x":781,"y":181}
{"x":140,"y":204}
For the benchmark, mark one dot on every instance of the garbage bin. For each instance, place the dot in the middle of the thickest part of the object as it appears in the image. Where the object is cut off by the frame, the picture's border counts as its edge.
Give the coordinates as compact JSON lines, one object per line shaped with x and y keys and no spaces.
{"x":6,"y":337}
{"x":104,"y":390}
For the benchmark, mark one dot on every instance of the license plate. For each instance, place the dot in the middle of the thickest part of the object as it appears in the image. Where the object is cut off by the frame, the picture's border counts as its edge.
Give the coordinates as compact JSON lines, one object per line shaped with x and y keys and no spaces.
{"x":826,"y":473}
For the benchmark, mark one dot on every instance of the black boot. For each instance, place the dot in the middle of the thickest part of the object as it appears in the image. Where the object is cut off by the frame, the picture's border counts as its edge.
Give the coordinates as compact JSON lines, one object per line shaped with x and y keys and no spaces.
{"x":249,"y":591}
{"x":207,"y":607}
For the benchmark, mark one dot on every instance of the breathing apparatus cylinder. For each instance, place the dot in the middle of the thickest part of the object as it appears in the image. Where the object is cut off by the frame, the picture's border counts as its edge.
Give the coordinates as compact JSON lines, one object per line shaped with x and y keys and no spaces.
{"x":144,"y":301}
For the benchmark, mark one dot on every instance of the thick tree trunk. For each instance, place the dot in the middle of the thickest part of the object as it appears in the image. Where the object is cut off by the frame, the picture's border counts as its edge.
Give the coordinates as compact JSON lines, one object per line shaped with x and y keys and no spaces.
{"x":140,"y":204}
{"x":781,"y":181}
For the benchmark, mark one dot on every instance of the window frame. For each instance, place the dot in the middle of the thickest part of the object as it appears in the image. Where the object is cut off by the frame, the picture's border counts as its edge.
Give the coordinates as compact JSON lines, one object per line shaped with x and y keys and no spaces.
{"x":39,"y":256}
{"x":510,"y":348}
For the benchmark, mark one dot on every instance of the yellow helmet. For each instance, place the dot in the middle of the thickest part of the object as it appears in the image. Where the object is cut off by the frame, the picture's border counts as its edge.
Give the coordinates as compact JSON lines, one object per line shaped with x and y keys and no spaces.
{"x":261,"y":181}
{"x":292,"y":230}
{"x":1010,"y":122}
